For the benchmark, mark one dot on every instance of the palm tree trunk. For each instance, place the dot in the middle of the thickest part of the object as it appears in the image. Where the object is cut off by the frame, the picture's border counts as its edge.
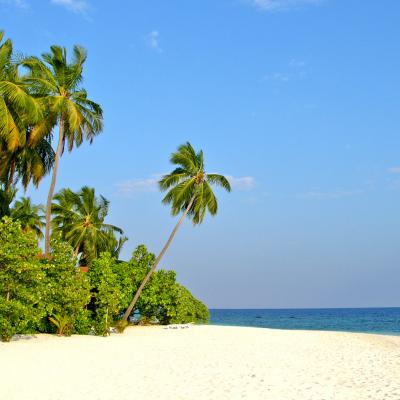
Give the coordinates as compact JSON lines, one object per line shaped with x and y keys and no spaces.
{"x":60,"y":148}
{"x":10,"y":180}
{"x":156,"y":262}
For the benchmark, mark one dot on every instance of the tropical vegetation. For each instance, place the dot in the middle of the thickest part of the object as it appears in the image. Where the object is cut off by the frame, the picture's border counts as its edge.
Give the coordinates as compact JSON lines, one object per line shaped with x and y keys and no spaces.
{"x":78,"y":284}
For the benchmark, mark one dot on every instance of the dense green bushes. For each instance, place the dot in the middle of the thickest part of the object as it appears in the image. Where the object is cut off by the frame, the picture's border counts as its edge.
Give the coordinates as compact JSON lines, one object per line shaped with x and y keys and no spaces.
{"x":163,"y":300}
{"x":21,"y":280}
{"x":42,"y":295}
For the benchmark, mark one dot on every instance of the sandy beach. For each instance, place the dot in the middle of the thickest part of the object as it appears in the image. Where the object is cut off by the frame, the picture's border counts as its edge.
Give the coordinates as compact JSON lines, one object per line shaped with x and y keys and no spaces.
{"x":202,"y":362}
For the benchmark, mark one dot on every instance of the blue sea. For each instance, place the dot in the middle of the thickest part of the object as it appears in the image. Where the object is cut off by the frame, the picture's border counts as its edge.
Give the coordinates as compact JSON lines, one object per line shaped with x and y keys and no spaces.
{"x":367,"y":320}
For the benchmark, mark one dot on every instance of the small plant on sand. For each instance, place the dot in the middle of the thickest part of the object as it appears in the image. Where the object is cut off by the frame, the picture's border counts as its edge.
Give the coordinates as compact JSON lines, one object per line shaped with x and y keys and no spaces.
{"x":62,"y":323}
{"x":120,"y":325}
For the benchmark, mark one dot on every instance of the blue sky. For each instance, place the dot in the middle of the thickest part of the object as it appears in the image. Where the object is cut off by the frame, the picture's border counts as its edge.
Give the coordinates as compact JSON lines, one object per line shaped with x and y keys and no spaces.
{"x":296,"y":100}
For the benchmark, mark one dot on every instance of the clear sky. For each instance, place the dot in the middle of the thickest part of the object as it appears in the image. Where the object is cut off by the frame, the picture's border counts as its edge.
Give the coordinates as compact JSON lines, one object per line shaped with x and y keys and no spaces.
{"x":297,"y":100}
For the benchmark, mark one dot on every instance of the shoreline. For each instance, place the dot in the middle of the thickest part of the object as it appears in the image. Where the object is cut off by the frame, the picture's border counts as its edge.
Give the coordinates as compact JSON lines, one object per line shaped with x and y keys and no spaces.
{"x":203,"y":362}
{"x":308,"y":330}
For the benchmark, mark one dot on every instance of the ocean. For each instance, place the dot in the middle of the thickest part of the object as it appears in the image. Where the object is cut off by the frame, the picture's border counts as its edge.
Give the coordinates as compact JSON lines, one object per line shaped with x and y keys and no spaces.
{"x":367,"y":320}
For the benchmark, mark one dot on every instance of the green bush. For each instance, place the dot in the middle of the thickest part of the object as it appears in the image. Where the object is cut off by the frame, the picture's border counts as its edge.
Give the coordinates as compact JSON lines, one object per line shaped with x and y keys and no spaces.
{"x":162,"y":298}
{"x":83,"y":322}
{"x":186,"y":308}
{"x":106,"y":293}
{"x":52,"y":295}
{"x":21,"y":280}
{"x":67,"y":290}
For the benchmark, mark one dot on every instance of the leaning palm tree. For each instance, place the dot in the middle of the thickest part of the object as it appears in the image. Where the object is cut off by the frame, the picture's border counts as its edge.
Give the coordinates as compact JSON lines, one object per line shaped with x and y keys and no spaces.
{"x":190,"y":193}
{"x":17,"y":108}
{"x":30,"y":216}
{"x":55,"y":82}
{"x":79,"y":219}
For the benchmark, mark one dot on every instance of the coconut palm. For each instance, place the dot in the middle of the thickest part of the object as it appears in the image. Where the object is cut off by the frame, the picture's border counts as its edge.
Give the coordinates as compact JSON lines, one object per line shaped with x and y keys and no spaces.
{"x":30,"y":216}
{"x":17,"y":108}
{"x":26,"y":163}
{"x":56,"y":83}
{"x":188,"y":192}
{"x":19,"y":112}
{"x":79,"y":219}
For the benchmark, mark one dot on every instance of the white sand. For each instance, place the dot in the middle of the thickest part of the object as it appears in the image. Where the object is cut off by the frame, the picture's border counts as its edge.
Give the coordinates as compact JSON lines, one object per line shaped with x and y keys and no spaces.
{"x":202,"y":362}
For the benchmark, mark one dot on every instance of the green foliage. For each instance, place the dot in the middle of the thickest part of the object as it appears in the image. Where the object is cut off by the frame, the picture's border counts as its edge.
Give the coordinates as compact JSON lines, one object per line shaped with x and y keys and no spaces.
{"x":187,"y":308}
{"x":83,"y":322}
{"x":19,"y":114}
{"x":62,"y":323}
{"x":21,"y":280}
{"x":162,"y":299}
{"x":17,"y":108}
{"x":29,"y":215}
{"x":130,"y":274}
{"x":106,"y":293}
{"x":67,"y":289}
{"x":7,"y":195}
{"x":56,"y":81}
{"x":52,"y":295}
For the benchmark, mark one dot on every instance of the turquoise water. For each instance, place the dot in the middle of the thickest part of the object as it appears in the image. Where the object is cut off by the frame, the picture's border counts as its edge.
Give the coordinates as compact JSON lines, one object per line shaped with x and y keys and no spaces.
{"x":368,"y":320}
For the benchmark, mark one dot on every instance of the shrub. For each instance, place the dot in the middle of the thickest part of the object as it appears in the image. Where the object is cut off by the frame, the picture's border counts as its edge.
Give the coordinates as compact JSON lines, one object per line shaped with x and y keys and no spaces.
{"x":187,"y":308}
{"x":21,"y":280}
{"x":106,"y":293}
{"x":67,"y":290}
{"x":83,"y":322}
{"x":120,"y":325}
{"x":162,"y":299}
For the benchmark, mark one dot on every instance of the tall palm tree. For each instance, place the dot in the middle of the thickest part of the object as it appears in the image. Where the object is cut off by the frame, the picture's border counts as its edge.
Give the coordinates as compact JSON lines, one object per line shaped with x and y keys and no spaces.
{"x":17,"y":108}
{"x":56,"y":83}
{"x":30,"y":216}
{"x":189,"y":192}
{"x":19,"y":112}
{"x":79,"y":218}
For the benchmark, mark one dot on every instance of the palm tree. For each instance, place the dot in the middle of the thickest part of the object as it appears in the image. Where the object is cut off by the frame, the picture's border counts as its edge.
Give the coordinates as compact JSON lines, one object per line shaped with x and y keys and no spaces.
{"x":190,"y":193}
{"x":30,"y":216}
{"x":19,"y":112}
{"x":55,"y":82}
{"x":26,"y":163}
{"x":79,"y":219}
{"x":17,"y":108}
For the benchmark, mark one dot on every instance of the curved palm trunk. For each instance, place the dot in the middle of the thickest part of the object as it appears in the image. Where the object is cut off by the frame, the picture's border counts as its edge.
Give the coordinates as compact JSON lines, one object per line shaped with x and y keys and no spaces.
{"x":156,"y":262}
{"x":59,"y":151}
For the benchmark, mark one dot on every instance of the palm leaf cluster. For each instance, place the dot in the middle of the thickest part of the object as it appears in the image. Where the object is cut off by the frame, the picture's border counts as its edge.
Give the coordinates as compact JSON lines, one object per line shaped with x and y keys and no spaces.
{"x":79,"y":218}
{"x":30,"y":216}
{"x":56,"y":83}
{"x":189,"y":183}
{"x":20,"y":113}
